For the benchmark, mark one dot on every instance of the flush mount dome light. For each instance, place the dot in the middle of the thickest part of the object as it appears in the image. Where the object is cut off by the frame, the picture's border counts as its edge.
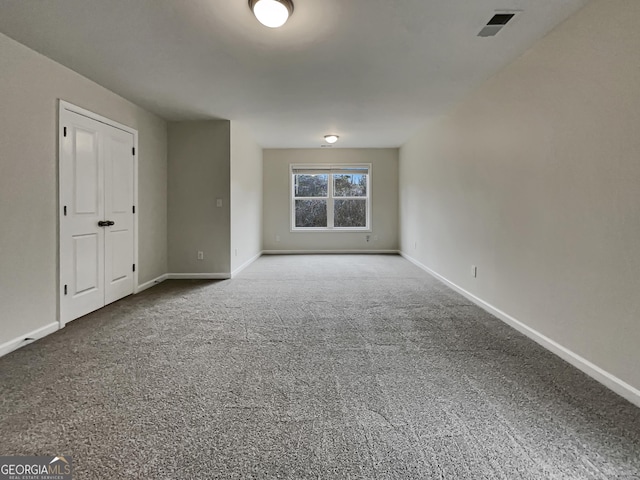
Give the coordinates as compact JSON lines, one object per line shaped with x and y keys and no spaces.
{"x":331,"y":138}
{"x":271,"y":13}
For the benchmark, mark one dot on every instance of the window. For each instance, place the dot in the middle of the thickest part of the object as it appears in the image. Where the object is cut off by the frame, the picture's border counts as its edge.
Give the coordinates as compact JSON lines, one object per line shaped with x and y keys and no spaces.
{"x":330,"y":197}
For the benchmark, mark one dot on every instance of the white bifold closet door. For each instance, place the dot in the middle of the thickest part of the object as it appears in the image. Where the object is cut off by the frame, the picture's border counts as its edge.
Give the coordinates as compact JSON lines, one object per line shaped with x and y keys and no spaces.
{"x":97,"y":175}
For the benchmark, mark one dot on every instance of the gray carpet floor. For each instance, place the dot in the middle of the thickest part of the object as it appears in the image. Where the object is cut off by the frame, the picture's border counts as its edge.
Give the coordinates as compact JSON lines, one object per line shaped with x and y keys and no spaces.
{"x":330,"y":367}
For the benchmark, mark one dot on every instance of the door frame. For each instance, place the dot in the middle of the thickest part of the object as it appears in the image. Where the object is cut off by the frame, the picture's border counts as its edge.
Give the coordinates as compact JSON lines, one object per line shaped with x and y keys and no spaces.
{"x":65,"y":107}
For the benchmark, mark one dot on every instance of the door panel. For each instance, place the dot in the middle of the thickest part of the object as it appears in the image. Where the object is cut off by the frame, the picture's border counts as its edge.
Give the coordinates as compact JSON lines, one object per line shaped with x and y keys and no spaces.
{"x":81,"y":240}
{"x":86,"y":167}
{"x":86,"y":260}
{"x":120,"y":183}
{"x":119,"y":246}
{"x":119,"y":188}
{"x":118,"y":265}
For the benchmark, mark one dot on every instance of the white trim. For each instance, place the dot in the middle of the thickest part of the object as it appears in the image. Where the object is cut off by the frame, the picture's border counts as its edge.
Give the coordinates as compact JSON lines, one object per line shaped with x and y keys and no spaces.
{"x":21,"y":341}
{"x":610,"y":381}
{"x":94,"y":116}
{"x":246,"y":264}
{"x":328,"y":252}
{"x":151,"y":283}
{"x":136,"y":203}
{"x":198,"y":276}
{"x":330,"y":230}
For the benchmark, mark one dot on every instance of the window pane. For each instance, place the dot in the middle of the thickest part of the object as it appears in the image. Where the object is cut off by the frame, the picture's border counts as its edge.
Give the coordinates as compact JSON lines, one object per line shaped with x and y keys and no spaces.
{"x":311,"y":185}
{"x":311,"y":213}
{"x":350,"y":213}
{"x":350,"y":185}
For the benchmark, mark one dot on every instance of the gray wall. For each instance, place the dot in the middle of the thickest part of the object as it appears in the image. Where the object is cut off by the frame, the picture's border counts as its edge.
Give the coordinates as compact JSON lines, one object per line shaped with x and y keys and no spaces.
{"x":199,"y":174}
{"x":30,"y":85}
{"x":535,"y":178}
{"x":384,"y":207}
{"x":246,"y":197}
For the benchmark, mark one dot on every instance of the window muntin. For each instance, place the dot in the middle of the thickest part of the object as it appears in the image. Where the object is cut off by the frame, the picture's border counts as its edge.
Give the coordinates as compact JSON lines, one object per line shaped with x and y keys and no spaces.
{"x":330,"y":197}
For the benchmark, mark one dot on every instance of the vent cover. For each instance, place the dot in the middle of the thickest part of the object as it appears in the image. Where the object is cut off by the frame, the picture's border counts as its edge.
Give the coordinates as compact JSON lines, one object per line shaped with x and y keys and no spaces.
{"x":497,"y":22}
{"x":501,"y":19}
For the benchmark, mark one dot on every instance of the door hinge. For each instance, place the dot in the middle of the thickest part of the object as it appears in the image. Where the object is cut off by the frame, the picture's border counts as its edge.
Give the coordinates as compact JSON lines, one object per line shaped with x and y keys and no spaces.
{"x":65,"y":210}
{"x":133,"y":209}
{"x":134,"y":267}
{"x":133,"y":150}
{"x":65,"y":289}
{"x":64,"y":131}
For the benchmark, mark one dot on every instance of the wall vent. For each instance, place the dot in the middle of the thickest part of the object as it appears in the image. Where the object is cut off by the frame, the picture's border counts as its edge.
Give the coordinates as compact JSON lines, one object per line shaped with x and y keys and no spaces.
{"x":497,"y":23}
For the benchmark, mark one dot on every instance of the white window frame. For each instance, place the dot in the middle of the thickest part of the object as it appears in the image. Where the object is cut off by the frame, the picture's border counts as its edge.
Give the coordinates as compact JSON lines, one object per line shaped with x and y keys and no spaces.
{"x":329,"y":169}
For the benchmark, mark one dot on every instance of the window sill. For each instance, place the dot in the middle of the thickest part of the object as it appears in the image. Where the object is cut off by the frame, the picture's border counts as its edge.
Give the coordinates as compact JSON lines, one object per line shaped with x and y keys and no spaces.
{"x":330,"y":230}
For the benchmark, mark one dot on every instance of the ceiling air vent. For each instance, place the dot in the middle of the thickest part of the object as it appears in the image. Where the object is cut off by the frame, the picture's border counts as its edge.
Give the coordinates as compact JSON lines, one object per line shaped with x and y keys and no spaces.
{"x":326,"y":146}
{"x":496,"y":23}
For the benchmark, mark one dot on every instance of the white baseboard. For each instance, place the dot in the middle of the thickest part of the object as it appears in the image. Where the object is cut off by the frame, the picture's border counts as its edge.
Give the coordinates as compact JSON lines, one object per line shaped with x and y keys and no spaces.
{"x":28,"y":338}
{"x":198,"y":276}
{"x":610,"y":381}
{"x":183,"y":276}
{"x":152,"y":283}
{"x":246,"y":264}
{"x":329,"y":252}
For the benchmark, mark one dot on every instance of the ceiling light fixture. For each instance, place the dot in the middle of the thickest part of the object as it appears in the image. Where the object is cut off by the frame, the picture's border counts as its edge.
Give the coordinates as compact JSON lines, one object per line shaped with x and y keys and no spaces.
{"x":271,"y":13}
{"x":331,"y":138}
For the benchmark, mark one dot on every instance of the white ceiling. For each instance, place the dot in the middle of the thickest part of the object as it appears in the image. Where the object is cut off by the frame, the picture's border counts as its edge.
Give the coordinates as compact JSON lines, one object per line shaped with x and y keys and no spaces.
{"x":371,"y":71}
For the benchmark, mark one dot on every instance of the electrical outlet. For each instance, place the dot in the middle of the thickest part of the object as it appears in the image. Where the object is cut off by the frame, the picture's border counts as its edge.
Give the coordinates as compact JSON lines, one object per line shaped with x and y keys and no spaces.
{"x":474,"y":271}
{"x":200,"y":255}
{"x":375,"y":238}
{"x":277,"y":238}
{"x":218,"y":202}
{"x":236,"y":252}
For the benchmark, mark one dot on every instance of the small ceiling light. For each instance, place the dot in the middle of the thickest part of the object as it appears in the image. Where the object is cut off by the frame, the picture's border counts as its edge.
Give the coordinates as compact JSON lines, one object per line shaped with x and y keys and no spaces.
{"x":271,"y":13}
{"x":331,"y":138}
